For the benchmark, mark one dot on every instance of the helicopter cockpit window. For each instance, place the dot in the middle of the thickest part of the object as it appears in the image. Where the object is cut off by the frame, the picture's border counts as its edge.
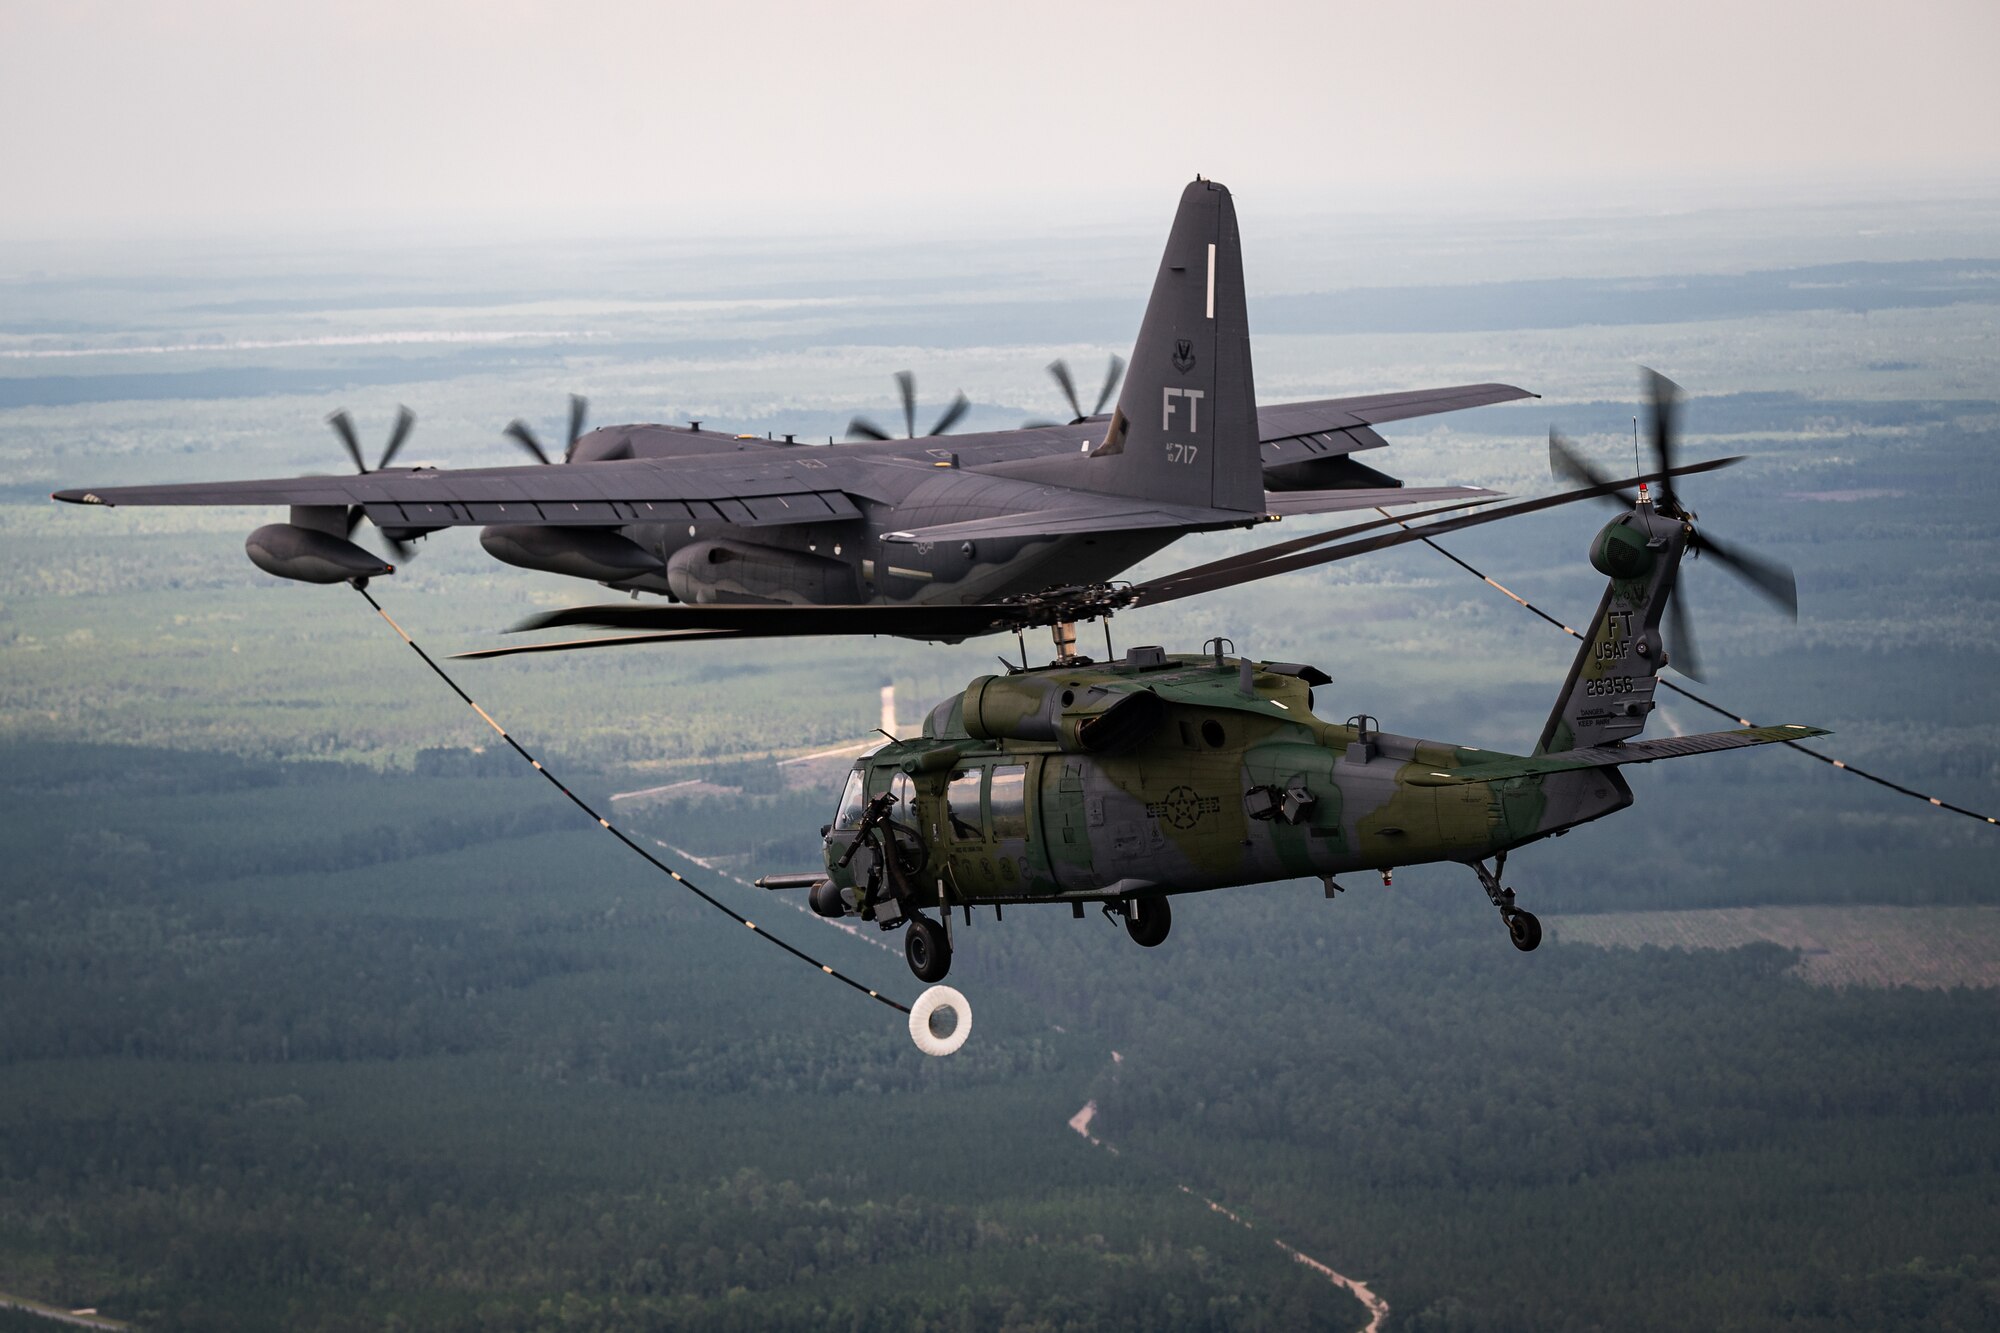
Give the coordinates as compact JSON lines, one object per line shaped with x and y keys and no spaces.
{"x":852,"y":801}
{"x":961,"y":803}
{"x":904,"y":789}
{"x":1009,"y":800}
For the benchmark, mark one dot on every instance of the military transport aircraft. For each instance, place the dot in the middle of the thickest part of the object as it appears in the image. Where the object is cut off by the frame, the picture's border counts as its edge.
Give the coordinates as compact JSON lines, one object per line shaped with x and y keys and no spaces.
{"x":703,"y":516}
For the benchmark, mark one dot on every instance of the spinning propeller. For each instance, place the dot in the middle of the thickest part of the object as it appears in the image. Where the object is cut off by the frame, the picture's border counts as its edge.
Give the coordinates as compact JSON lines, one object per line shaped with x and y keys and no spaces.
{"x":1771,"y":580}
{"x":1060,"y":369}
{"x":863,"y":428}
{"x":343,"y":426}
{"x":517,"y":430}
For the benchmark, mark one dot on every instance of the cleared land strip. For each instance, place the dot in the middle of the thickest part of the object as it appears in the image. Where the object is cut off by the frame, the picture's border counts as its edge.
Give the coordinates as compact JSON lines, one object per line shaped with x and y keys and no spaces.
{"x":84,"y":1318}
{"x":1934,"y":947}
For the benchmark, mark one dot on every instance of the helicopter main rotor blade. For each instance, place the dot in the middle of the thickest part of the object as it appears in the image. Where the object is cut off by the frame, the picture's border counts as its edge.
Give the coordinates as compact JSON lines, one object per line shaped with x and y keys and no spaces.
{"x":608,"y":641}
{"x":763,"y":620}
{"x":972,"y":620}
{"x":1665,"y":396}
{"x":1259,"y":565}
{"x":1566,"y":463}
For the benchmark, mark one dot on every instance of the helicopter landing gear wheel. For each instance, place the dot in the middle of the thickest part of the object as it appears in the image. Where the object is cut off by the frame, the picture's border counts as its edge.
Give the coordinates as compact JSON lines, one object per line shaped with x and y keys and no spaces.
{"x":925,"y":949}
{"x":1523,"y":928}
{"x":1147,"y":921}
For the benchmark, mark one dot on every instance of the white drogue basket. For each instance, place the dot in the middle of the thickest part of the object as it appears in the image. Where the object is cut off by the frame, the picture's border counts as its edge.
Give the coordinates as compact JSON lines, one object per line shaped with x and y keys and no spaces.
{"x":929,"y":1003}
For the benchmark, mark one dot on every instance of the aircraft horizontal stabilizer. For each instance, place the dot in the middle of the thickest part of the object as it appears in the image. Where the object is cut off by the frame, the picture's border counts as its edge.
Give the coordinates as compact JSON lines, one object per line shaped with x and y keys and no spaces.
{"x":1631,"y":752}
{"x":1291,"y":503}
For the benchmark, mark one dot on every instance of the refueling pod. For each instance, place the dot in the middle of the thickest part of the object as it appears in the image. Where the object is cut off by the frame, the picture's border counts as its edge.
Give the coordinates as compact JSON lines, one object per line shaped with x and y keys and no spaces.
{"x":310,"y":555}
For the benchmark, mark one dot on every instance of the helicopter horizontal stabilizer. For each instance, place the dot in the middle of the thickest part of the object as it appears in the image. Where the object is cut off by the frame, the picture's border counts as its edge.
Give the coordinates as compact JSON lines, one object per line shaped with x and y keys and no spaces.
{"x":1607,"y":756}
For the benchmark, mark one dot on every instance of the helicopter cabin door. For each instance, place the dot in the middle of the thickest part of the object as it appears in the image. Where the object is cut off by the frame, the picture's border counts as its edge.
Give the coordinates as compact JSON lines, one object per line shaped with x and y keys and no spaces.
{"x":986,"y":827}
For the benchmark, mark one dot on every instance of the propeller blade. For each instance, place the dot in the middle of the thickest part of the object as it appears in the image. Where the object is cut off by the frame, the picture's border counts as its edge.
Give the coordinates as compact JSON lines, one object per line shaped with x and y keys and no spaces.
{"x":1060,"y":369}
{"x":343,"y":426}
{"x":1665,"y":396}
{"x":960,"y":405}
{"x":518,"y":431}
{"x":354,"y":513}
{"x":405,"y":419}
{"x":907,"y":383}
{"x":1681,"y":654}
{"x":1111,"y":378}
{"x":578,"y":405}
{"x":866,"y":429}
{"x":1775,"y":581}
{"x":1567,"y":464}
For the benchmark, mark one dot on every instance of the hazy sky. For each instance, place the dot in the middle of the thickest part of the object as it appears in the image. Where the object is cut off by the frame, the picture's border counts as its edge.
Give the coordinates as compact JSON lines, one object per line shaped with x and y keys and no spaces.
{"x":220,"y":116}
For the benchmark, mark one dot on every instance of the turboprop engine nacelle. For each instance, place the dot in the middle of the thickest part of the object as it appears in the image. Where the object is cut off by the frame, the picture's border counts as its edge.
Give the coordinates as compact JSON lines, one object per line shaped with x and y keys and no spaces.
{"x":312,"y":556}
{"x":1082,"y":719}
{"x":584,"y":553}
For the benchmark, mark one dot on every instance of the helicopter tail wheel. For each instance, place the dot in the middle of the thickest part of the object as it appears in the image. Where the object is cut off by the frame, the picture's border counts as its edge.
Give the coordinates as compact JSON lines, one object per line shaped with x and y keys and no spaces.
{"x":926,"y":949}
{"x":1525,"y":929}
{"x":1147,"y":921}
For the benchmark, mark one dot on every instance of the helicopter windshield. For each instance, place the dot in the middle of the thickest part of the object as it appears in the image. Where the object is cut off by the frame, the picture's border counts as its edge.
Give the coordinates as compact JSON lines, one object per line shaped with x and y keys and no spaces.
{"x":852,"y":800}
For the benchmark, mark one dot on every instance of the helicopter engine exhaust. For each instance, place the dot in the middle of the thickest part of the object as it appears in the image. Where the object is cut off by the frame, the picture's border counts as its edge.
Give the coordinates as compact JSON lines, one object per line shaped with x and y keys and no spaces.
{"x":1087,"y":720}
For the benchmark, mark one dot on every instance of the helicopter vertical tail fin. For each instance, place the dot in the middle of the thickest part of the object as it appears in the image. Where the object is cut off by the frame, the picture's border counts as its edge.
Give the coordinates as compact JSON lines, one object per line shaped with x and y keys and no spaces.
{"x":1610,"y":686}
{"x":1185,"y":429}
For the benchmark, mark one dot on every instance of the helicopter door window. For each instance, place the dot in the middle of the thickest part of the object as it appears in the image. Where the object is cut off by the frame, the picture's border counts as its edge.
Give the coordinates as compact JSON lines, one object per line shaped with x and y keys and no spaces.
{"x":852,"y":800}
{"x":961,"y":803}
{"x":1008,"y":799}
{"x":904,"y":789}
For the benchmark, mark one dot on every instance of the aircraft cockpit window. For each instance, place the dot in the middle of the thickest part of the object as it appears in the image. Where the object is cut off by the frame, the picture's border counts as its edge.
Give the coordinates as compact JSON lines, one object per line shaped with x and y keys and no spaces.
{"x":961,"y":803}
{"x":1009,"y":800}
{"x":904,"y":789}
{"x":852,"y":801}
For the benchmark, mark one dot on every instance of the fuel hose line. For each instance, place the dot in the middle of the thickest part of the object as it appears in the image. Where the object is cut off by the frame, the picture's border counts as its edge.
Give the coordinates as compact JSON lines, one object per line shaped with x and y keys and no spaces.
{"x":614,"y":831}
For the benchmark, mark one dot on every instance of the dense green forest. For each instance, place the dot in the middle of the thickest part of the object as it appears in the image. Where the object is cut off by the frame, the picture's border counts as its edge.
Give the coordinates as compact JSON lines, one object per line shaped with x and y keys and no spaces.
{"x":317,"y":1012}
{"x":433,"y":1053}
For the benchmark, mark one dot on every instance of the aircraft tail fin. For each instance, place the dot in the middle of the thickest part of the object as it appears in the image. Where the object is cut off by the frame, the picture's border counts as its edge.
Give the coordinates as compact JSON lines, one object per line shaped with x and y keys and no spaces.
{"x":1609,"y":690}
{"x":1185,"y":429}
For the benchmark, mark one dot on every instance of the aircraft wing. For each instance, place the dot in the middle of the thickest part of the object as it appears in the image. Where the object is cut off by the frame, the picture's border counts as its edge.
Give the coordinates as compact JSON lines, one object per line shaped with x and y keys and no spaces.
{"x":1286,"y":421}
{"x":752,"y":492}
{"x":1101,"y":513}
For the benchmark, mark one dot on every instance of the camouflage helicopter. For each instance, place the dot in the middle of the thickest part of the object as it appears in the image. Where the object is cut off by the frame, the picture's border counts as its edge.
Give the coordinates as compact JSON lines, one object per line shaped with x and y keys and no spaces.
{"x":1126,"y":782}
